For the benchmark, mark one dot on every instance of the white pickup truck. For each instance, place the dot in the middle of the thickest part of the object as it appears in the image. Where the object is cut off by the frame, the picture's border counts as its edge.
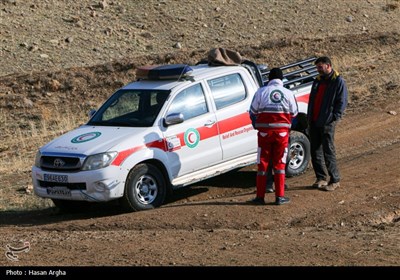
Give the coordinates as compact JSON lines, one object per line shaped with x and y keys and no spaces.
{"x":178,"y":125}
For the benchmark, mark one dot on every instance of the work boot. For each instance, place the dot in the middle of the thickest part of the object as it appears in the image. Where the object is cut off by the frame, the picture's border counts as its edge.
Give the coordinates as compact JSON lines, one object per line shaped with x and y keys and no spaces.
{"x":279,"y":200}
{"x":331,"y":187}
{"x":319,"y":183}
{"x":257,"y":201}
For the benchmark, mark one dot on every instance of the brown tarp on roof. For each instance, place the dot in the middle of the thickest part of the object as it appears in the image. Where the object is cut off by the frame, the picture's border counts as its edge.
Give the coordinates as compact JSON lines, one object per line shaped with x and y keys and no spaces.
{"x":221,"y":56}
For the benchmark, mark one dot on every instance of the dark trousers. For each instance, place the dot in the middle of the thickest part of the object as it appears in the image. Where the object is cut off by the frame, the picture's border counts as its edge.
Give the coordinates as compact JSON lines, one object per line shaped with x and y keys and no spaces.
{"x":323,"y":153}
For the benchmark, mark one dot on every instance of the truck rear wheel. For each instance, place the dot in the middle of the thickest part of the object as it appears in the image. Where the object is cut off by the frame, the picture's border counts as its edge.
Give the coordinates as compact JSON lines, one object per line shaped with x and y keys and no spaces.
{"x":299,"y":154}
{"x":145,"y":188}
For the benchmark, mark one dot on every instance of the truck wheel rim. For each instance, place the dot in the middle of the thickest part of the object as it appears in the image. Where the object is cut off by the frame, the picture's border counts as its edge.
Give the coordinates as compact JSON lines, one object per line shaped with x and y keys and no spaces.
{"x":296,"y":156}
{"x":146,"y":189}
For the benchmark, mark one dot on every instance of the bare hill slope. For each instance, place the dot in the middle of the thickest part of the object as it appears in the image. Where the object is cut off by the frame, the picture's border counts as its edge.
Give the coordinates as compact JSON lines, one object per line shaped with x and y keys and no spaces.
{"x":61,"y":58}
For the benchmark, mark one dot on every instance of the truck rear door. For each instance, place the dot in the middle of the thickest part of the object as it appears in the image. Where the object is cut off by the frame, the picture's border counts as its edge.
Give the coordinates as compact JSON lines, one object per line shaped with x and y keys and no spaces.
{"x":232,"y":101}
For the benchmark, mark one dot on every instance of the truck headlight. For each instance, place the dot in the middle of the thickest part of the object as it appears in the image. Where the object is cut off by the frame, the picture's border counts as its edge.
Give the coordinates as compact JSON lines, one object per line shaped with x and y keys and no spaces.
{"x":37,"y":158}
{"x":99,"y":161}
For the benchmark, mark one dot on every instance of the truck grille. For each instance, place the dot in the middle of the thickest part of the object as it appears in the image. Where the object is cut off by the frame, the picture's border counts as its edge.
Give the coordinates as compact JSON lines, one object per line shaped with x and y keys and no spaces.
{"x":60,"y":163}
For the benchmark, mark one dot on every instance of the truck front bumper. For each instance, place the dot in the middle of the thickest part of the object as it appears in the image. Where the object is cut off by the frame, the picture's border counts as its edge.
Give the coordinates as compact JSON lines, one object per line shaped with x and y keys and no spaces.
{"x":94,"y":185}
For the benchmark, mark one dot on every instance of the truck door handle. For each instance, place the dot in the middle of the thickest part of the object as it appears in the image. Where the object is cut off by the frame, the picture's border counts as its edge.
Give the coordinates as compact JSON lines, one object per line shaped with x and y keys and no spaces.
{"x":209,"y":123}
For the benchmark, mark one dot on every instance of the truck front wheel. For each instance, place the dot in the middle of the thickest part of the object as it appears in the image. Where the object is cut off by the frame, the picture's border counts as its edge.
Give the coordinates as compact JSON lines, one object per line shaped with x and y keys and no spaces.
{"x":299,"y":154}
{"x":145,"y":188}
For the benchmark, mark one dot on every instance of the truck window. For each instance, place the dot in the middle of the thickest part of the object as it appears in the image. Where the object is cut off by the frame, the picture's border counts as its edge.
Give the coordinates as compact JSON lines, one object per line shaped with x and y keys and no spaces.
{"x":135,"y":108}
{"x":190,"y":102}
{"x":126,"y":103}
{"x":227,"y":90}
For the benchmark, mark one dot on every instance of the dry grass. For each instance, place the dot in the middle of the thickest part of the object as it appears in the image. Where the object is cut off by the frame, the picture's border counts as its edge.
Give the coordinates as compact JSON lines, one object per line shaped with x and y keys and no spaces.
{"x":19,"y":145}
{"x":17,"y":154}
{"x":17,"y":199}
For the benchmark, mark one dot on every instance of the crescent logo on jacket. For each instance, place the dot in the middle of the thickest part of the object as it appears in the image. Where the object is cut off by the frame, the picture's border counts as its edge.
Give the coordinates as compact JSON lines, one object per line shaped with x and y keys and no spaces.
{"x":274,"y":107}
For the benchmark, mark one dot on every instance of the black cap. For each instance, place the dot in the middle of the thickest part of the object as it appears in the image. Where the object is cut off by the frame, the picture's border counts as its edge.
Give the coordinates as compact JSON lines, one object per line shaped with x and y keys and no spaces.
{"x":275,"y":73}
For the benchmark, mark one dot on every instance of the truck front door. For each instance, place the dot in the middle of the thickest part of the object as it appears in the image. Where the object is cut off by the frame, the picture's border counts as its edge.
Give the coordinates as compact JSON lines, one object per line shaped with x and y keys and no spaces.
{"x":193,"y":144}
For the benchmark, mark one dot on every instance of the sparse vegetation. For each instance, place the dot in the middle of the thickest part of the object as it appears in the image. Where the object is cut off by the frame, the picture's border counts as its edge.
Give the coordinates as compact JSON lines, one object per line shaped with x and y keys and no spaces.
{"x":59,"y":59}
{"x":19,"y":145}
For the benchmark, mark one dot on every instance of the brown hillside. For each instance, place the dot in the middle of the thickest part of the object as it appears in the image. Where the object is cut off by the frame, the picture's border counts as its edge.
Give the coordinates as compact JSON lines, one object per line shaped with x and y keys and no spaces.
{"x":60,"y":58}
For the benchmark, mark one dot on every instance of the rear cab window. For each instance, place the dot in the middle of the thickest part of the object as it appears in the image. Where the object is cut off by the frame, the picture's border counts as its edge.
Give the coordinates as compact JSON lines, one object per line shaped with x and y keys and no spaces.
{"x":227,"y":90}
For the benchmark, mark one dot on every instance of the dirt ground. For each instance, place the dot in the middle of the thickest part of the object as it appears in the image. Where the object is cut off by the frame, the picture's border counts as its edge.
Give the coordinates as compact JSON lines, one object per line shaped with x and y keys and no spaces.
{"x":66,"y":59}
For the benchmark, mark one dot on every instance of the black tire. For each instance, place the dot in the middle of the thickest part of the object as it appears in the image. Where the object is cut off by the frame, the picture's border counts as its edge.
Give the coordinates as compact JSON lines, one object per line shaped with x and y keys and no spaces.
{"x":299,"y":154}
{"x":301,"y":122}
{"x":145,"y":188}
{"x":71,"y":206}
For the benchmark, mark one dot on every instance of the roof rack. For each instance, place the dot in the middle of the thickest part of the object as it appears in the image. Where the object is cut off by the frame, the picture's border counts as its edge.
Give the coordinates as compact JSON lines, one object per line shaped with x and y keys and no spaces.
{"x":297,"y":73}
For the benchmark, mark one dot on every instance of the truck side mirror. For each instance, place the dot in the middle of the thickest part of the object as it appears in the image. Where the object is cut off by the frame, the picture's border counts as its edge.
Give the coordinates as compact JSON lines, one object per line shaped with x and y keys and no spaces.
{"x":173,"y":118}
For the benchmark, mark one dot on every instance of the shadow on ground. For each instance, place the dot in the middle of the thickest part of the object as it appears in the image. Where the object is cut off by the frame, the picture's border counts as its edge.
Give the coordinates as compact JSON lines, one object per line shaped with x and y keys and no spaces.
{"x":217,"y":186}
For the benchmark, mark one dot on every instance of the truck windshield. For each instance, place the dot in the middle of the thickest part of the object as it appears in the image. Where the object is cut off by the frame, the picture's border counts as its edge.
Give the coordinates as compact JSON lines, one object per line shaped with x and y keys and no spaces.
{"x":133,"y":108}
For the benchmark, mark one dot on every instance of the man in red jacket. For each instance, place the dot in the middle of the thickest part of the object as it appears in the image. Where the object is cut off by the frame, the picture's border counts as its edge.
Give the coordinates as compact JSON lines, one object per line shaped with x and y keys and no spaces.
{"x":273,"y":106}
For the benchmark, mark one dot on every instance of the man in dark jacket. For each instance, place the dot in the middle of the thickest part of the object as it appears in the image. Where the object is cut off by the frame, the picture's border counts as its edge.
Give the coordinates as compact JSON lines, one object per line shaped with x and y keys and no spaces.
{"x":328,"y":100}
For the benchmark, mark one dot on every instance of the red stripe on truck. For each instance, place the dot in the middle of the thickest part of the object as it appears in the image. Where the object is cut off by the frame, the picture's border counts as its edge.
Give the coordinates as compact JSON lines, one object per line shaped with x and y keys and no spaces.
{"x":124,"y":154}
{"x":303,"y":98}
{"x":160,"y":144}
{"x":204,"y":131}
{"x":234,"y":123}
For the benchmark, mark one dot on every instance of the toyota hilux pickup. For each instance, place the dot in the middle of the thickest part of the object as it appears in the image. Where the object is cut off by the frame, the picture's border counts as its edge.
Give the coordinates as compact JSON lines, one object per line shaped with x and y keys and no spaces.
{"x":173,"y":126}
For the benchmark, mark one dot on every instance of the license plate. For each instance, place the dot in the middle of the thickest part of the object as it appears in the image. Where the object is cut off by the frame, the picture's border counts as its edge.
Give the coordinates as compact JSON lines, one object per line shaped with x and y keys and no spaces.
{"x":59,"y":191}
{"x":56,"y":178}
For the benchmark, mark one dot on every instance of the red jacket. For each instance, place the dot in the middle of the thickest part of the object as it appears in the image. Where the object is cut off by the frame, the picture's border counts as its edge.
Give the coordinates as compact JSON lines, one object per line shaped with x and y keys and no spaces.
{"x":274,"y":107}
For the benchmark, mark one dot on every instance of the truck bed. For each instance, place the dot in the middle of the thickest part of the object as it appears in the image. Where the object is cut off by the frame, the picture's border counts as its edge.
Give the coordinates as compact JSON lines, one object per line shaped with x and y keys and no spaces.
{"x":296,"y":74}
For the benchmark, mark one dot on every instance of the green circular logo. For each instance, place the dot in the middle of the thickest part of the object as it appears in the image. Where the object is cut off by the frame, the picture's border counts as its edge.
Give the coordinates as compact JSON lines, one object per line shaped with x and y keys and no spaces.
{"x":85,"y":137}
{"x":276,"y":96}
{"x":192,"y":137}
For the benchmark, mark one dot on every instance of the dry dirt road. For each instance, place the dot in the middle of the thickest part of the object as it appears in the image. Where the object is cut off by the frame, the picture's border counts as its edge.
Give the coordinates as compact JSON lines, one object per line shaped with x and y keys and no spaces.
{"x":93,"y":47}
{"x":210,"y":224}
